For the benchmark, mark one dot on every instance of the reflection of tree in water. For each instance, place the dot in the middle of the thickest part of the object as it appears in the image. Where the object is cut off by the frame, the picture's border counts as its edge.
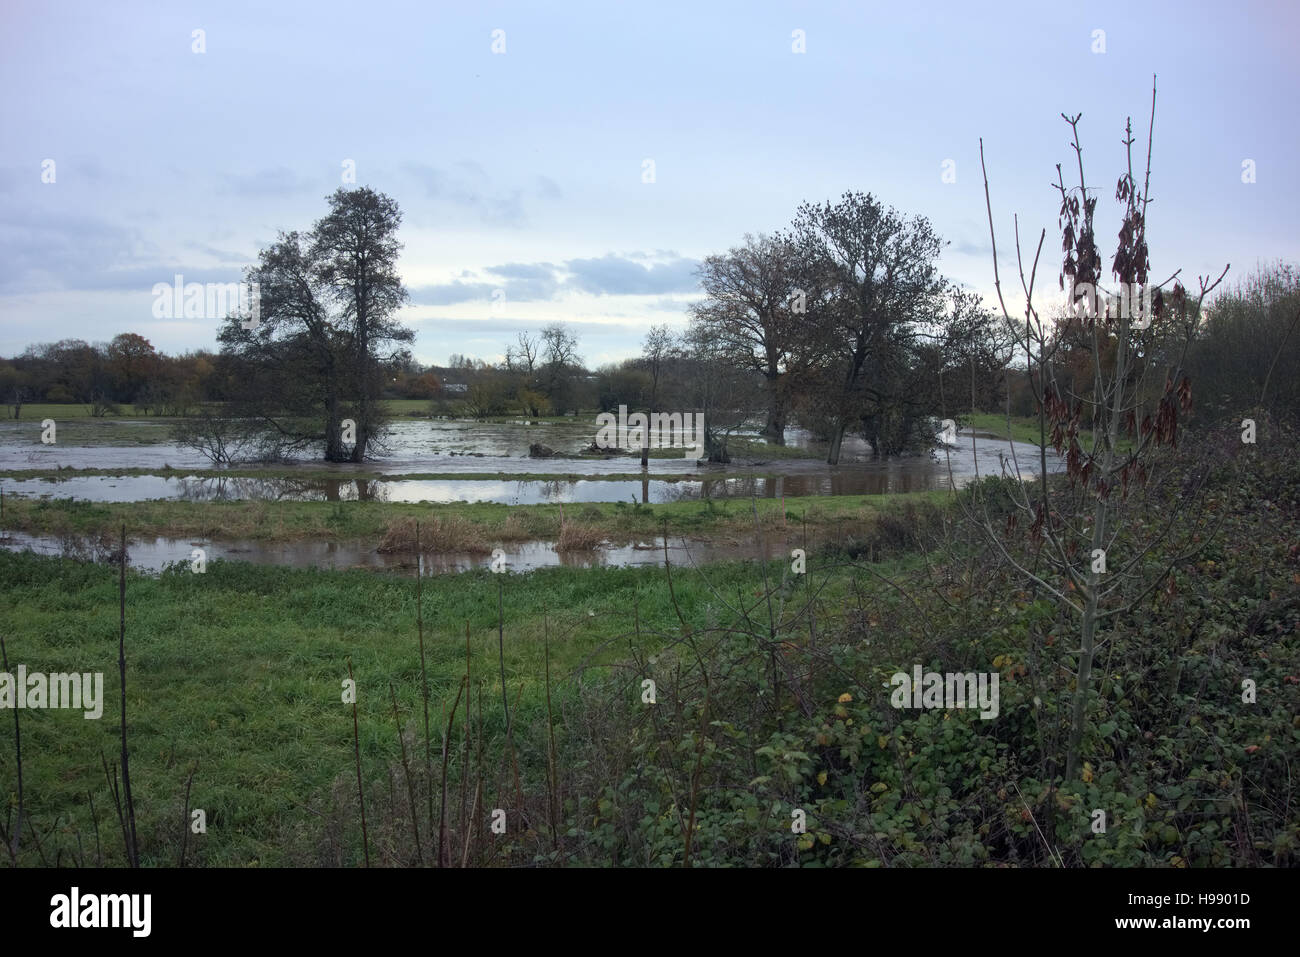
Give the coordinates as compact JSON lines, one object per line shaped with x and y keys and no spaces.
{"x":244,"y":488}
{"x":553,"y":490}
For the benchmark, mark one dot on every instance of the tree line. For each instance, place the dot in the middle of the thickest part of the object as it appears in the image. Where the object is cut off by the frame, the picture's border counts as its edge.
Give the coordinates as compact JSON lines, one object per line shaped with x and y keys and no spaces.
{"x":841,"y":324}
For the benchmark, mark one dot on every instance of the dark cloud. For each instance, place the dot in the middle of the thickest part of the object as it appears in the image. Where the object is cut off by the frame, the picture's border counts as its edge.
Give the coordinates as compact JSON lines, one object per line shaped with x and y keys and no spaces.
{"x":450,"y":293}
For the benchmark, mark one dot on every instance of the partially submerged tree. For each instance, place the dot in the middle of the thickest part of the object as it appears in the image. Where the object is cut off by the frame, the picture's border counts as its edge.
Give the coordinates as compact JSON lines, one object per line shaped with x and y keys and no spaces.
{"x":726,"y":395}
{"x":355,"y":251}
{"x":870,"y":278}
{"x":326,"y":328}
{"x":755,"y":311}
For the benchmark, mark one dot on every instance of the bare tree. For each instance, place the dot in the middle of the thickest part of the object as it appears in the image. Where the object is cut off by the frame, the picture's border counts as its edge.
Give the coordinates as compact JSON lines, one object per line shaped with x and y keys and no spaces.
{"x":561,"y":360}
{"x":659,"y":345}
{"x":755,"y":310}
{"x":523,"y":355}
{"x":1085,"y":552}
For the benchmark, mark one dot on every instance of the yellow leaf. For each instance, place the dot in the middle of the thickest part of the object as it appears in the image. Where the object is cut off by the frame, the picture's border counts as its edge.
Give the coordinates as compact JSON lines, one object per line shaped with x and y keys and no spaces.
{"x":821,"y":778}
{"x":1087,"y":773}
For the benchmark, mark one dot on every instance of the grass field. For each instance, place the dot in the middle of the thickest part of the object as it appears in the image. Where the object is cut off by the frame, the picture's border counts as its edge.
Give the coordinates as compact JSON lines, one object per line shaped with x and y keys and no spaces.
{"x":465,"y":526}
{"x":238,"y":673}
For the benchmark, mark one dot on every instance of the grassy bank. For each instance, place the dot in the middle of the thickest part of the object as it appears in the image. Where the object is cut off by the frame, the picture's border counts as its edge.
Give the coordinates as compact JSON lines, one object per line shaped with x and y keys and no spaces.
{"x":466,"y":526}
{"x":1023,"y":429}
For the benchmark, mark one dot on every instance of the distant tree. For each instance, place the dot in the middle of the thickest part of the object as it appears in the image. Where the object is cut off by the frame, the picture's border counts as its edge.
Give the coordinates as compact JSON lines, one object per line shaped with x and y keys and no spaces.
{"x":14,"y":384}
{"x":560,"y":364}
{"x":523,"y":355}
{"x":729,"y":396}
{"x":132,"y":364}
{"x":658,"y":346}
{"x":1250,"y":335}
{"x":355,"y":251}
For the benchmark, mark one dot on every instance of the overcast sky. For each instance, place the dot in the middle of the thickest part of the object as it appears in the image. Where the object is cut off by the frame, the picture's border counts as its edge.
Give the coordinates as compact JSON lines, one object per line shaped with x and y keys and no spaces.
{"x":524,"y":170}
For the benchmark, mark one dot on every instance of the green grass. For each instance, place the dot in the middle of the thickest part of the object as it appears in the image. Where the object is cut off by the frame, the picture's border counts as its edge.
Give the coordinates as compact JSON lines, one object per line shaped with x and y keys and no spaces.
{"x":478,"y":523}
{"x":1024,"y":429}
{"x":239,"y":671}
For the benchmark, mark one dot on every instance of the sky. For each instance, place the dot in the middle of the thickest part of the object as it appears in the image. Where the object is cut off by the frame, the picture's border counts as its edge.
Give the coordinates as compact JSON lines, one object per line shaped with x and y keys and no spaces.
{"x":574,"y":162}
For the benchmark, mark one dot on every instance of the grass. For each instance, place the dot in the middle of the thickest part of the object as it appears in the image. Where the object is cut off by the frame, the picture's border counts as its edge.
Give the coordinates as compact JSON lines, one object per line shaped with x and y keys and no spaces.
{"x":235,"y":677}
{"x":475,"y":524}
{"x":1024,"y":428}
{"x":239,"y":671}
{"x":87,"y":431}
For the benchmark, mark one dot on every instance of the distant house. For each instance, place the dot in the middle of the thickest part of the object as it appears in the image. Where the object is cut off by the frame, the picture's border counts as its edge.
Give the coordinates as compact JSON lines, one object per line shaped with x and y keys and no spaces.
{"x":455,"y":387}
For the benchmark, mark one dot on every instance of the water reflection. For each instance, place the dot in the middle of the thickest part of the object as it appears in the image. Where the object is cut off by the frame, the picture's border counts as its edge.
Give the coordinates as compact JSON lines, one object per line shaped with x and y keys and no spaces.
{"x":154,"y":554}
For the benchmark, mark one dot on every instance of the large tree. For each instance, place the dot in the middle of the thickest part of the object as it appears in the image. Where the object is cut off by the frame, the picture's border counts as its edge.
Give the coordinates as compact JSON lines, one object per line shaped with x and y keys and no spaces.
{"x":355,"y":251}
{"x":326,"y":328}
{"x":754,"y":310}
{"x":872,"y":283}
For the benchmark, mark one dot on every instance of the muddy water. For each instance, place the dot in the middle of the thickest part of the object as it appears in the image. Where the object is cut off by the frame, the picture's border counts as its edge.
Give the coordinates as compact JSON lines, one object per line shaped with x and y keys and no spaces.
{"x":156,"y":553}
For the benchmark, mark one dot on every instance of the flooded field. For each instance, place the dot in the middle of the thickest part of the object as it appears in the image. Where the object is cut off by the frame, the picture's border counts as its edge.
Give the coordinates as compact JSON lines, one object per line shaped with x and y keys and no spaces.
{"x":155,"y":554}
{"x":437,"y":452}
{"x":449,"y":448}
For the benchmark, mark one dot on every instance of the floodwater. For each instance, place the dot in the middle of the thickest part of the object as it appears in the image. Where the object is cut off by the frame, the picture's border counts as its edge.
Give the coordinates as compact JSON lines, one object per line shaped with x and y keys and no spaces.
{"x":155,"y":553}
{"x":448,"y":448}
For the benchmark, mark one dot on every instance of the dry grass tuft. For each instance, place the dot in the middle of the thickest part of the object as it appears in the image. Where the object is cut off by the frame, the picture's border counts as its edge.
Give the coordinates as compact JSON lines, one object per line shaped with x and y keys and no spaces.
{"x":441,"y":534}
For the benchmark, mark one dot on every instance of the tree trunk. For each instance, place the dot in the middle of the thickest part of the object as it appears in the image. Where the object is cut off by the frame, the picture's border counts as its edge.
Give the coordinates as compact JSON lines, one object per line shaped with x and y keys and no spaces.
{"x":1087,"y":635}
{"x":333,"y":432}
{"x":774,"y":430}
{"x":837,"y":440}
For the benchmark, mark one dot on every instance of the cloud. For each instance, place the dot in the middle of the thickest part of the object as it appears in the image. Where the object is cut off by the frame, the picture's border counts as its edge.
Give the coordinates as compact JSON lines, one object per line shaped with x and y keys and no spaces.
{"x":448,"y":294}
{"x":609,"y":275}
{"x":547,"y":188}
{"x":524,"y":270}
{"x":613,"y":275}
{"x":267,"y":182}
{"x":469,"y":187}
